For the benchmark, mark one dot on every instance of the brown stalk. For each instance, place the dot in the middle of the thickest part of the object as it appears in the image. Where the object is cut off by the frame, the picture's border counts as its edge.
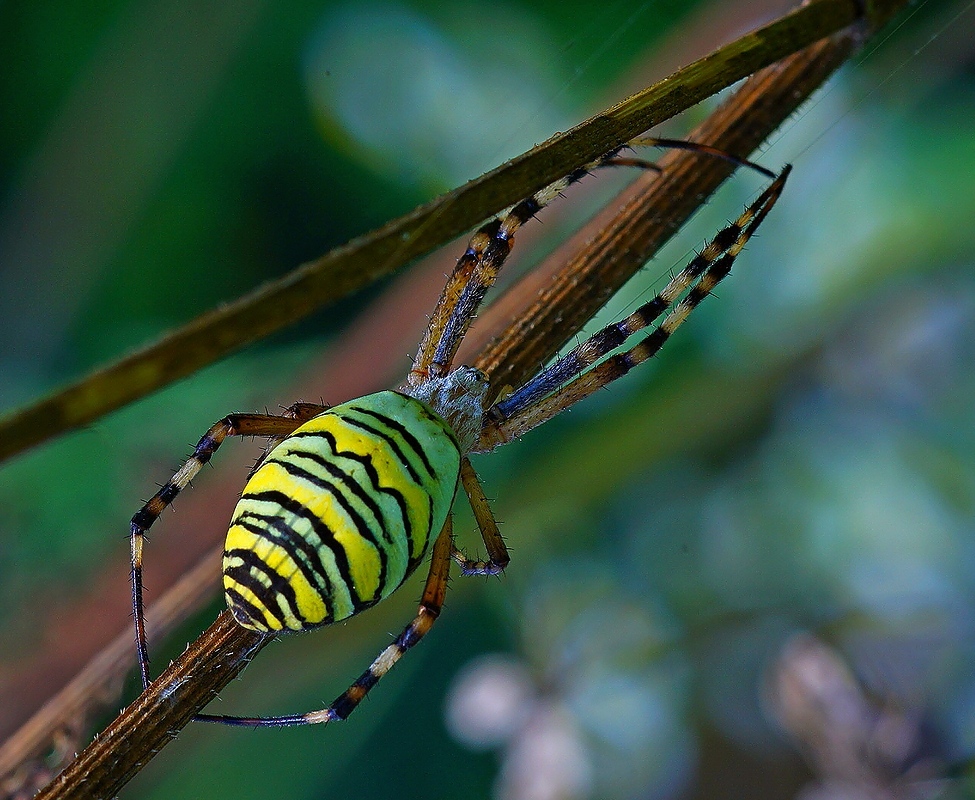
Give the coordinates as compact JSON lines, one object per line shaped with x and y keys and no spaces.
{"x":99,"y":684}
{"x":224,"y":649}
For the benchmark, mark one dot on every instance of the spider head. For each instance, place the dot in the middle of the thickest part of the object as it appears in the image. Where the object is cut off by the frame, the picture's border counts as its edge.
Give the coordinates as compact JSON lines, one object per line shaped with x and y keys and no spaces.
{"x":459,"y":398}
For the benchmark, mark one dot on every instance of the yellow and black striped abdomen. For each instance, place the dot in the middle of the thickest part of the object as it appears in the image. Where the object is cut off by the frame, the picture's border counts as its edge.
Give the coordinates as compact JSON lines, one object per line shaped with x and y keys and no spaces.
{"x":339,"y":513}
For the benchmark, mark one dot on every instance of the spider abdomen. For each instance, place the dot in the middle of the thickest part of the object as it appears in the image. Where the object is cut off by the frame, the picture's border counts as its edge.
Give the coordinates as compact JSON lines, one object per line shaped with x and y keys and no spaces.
{"x":339,"y":513}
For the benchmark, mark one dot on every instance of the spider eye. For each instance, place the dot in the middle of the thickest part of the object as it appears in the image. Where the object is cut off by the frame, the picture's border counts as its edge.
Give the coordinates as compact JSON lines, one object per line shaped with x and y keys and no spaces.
{"x":471,"y":376}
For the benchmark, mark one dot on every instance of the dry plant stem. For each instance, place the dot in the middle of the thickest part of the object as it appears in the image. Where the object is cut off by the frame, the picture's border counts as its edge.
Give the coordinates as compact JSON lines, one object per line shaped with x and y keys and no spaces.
{"x":224,"y":649}
{"x":155,"y":718}
{"x":99,"y":684}
{"x":364,"y":260}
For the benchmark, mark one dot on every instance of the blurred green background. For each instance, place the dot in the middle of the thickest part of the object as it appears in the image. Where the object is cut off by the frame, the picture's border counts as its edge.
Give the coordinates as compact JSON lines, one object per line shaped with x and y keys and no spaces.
{"x":800,"y":458}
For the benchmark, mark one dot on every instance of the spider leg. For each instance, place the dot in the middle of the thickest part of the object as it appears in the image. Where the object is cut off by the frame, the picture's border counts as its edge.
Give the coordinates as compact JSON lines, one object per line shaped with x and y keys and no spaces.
{"x":302,"y":412}
{"x":498,"y":557}
{"x":231,"y":425}
{"x":430,"y":606}
{"x":566,"y":382}
{"x":700,"y":147}
{"x":477,"y":270}
{"x":612,"y":336}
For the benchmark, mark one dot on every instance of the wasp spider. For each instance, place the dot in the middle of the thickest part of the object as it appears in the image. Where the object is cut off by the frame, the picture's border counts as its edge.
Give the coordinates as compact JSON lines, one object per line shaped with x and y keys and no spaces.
{"x":346,"y":504}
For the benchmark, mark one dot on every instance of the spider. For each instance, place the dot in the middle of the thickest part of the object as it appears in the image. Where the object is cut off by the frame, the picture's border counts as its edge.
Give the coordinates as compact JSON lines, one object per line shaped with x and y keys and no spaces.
{"x":345,"y":504}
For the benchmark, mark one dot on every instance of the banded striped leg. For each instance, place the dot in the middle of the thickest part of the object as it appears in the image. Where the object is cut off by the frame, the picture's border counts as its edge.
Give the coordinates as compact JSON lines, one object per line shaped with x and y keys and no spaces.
{"x":477,"y":270}
{"x":498,"y":557}
{"x":231,"y":425}
{"x":567,"y":382}
{"x":430,"y":606}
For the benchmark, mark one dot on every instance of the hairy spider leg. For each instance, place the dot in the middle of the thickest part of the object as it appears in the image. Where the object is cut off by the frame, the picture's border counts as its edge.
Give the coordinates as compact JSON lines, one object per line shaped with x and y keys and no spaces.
{"x":498,"y":557}
{"x":698,"y":147}
{"x":477,"y":270}
{"x":475,"y":274}
{"x":231,"y":425}
{"x":566,"y":382}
